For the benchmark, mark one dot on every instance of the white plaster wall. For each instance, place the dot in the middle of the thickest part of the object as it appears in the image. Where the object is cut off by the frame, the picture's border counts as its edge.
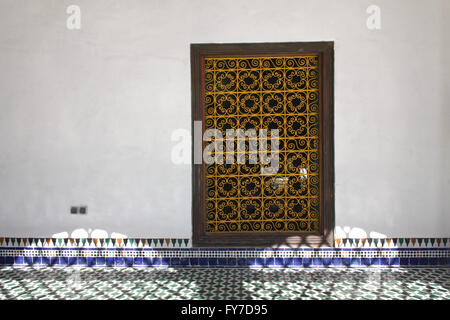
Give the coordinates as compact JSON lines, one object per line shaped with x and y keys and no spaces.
{"x":86,"y":115}
{"x":445,"y":113}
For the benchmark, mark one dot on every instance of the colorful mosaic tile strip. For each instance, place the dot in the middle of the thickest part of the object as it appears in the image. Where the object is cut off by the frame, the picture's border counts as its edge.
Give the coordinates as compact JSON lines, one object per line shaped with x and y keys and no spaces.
{"x":174,"y":252}
{"x":186,"y":243}
{"x":231,"y":257}
{"x":95,"y":242}
{"x":392,"y":242}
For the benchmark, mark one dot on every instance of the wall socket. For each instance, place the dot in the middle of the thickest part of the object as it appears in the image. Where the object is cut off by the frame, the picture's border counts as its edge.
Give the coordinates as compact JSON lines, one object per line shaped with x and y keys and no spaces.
{"x":79,"y":210}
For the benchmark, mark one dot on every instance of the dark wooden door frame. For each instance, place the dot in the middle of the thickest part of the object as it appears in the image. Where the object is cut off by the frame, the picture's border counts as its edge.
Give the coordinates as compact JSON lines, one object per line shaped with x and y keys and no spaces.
{"x":325,"y":51}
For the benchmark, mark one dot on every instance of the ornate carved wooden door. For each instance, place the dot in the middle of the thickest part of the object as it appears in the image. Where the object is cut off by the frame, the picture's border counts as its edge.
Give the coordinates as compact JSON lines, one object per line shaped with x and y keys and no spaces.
{"x":243,"y":93}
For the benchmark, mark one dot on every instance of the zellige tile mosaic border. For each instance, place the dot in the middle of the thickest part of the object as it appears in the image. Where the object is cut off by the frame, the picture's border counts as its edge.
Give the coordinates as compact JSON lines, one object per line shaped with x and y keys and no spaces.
{"x":186,"y":243}
{"x":358,"y":253}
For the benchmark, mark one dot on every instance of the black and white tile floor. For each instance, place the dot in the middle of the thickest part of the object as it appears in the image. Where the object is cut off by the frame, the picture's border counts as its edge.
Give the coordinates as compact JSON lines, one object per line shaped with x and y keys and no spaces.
{"x":190,"y":283}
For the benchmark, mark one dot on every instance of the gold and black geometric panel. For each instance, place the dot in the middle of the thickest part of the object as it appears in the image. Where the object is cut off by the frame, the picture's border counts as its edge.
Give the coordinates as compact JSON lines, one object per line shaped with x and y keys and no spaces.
{"x":253,"y":93}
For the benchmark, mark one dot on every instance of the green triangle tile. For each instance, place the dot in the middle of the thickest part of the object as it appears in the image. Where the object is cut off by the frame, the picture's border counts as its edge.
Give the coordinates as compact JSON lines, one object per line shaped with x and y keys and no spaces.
{"x":180,"y":241}
{"x":131,"y":241}
{"x":375,"y":240}
{"x":426,"y":240}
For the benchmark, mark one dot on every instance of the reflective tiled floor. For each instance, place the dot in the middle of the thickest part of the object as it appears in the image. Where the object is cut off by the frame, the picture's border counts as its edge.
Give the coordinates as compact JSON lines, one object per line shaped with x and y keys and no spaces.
{"x":186,"y":283}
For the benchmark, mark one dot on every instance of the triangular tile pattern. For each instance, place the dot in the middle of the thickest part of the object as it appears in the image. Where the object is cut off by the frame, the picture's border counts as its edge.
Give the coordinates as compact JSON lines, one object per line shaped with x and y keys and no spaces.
{"x":392,"y":242}
{"x":186,"y":243}
{"x":95,"y":242}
